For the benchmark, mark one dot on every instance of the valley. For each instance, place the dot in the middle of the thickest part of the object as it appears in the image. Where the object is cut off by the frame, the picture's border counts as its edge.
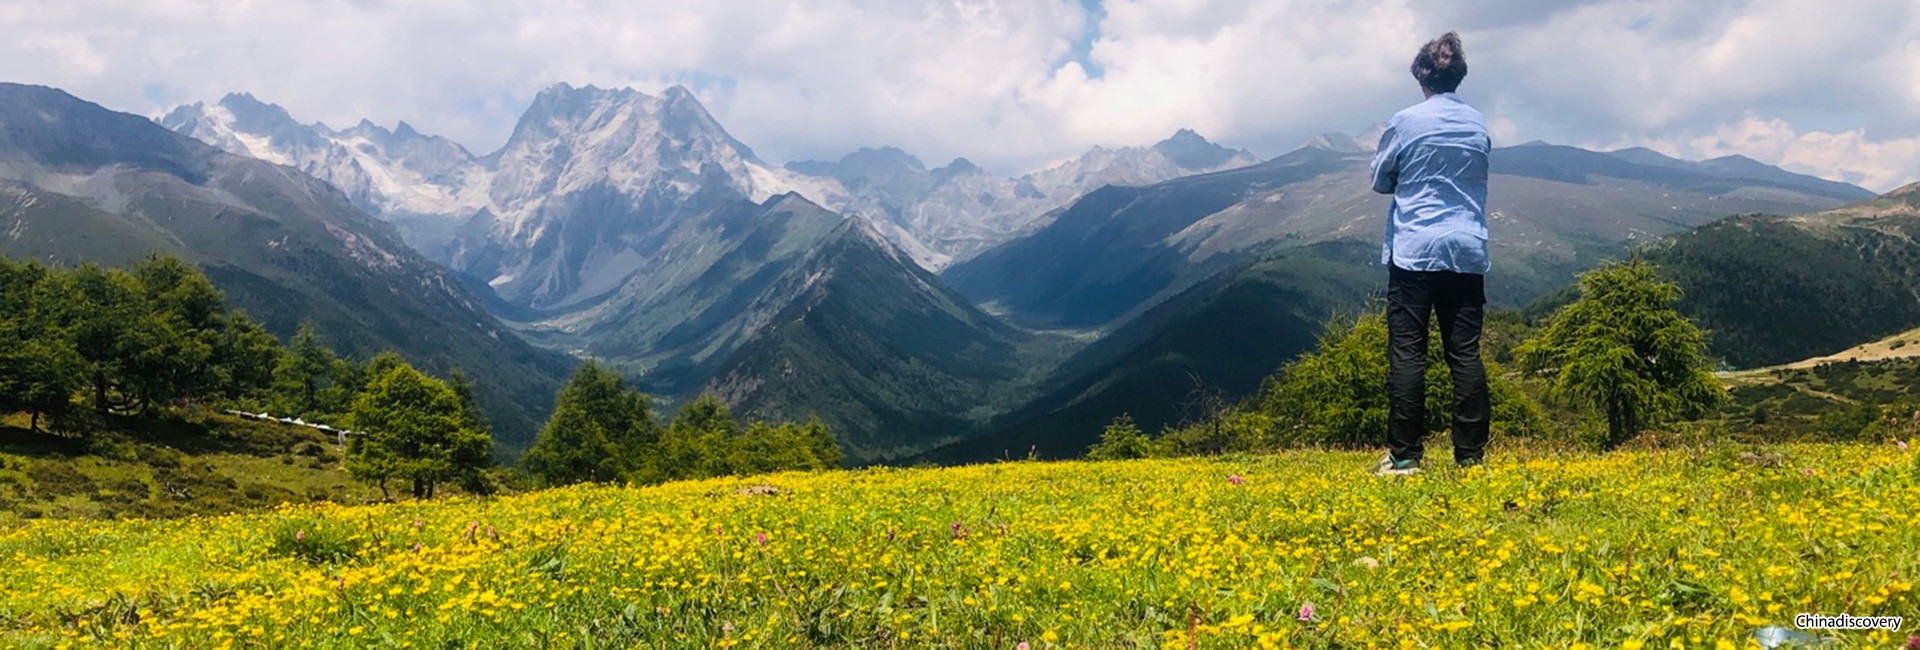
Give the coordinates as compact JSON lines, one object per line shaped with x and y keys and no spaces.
{"x":943,"y":313}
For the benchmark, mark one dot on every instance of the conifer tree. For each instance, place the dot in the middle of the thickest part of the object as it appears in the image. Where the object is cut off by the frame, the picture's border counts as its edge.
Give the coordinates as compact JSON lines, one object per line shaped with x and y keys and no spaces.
{"x":39,"y":369}
{"x":414,"y":430}
{"x":1121,"y":440}
{"x":601,"y":430}
{"x":1624,"y":349}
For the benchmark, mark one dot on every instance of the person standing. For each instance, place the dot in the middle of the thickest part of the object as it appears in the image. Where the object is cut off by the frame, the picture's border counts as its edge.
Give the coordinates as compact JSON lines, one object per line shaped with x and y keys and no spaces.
{"x":1433,"y":160}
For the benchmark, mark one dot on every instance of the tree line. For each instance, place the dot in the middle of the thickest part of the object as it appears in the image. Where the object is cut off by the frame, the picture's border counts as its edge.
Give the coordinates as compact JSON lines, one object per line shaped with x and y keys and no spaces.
{"x":90,"y":349}
{"x":1620,"y":354}
{"x":603,"y":430}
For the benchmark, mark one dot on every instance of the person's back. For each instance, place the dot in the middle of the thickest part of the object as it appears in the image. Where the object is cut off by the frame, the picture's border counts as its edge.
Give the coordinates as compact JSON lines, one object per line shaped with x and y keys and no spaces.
{"x":1433,"y":160}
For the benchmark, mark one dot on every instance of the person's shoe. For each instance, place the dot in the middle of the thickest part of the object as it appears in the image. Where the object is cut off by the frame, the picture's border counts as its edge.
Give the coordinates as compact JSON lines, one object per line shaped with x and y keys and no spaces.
{"x":1390,"y":467}
{"x":1465,"y":463}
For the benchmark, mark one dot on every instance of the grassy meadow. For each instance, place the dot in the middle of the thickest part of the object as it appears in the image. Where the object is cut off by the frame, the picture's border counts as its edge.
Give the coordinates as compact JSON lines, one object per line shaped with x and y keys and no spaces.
{"x":168,"y":468}
{"x":1683,"y":547}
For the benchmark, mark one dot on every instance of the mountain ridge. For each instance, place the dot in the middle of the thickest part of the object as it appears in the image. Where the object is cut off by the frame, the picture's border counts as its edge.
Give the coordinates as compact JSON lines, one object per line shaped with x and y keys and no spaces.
{"x":1554,"y":210}
{"x":285,"y":247}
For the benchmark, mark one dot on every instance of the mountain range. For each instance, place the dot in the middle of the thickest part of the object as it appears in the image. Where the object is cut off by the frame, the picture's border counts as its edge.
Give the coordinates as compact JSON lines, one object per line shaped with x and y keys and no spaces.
{"x":1553,"y":210}
{"x":633,"y":229}
{"x":80,"y":183}
{"x":654,"y":151}
{"x":953,"y":212}
{"x":1204,"y":285}
{"x":949,"y":313}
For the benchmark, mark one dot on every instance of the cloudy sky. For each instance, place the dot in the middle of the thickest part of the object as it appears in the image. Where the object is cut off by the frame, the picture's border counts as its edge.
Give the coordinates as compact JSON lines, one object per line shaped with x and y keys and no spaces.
{"x":1826,"y":88}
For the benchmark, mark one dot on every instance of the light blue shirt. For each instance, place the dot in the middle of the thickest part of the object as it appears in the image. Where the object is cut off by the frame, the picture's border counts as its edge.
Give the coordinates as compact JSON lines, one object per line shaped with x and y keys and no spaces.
{"x":1433,"y":160}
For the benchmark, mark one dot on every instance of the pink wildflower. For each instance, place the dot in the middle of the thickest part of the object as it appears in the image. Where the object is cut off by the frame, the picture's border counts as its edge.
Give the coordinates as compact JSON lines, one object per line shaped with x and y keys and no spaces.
{"x":1306,"y":611}
{"x":1236,"y":480}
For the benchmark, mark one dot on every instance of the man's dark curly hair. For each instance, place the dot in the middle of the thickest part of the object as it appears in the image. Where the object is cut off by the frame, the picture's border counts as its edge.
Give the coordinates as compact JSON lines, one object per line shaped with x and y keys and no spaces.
{"x":1441,"y":64}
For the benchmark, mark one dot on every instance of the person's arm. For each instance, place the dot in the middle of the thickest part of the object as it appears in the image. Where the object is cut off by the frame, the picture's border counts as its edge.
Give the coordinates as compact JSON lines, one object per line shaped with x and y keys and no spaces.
{"x":1386,"y":163}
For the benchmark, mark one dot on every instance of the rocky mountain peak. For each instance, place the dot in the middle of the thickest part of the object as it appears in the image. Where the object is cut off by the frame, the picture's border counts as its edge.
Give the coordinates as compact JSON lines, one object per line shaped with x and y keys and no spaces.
{"x":253,"y":115}
{"x":958,"y":167}
{"x":1190,"y":151}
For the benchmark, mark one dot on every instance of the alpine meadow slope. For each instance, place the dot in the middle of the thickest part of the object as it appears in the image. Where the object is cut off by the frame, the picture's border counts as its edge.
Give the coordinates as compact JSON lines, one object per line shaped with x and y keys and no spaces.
{"x":80,"y":183}
{"x":1239,"y":551}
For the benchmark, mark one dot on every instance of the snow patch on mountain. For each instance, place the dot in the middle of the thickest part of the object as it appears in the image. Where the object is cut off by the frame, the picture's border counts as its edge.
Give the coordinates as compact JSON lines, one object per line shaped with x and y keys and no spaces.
{"x":593,"y":177}
{"x":382,"y":172}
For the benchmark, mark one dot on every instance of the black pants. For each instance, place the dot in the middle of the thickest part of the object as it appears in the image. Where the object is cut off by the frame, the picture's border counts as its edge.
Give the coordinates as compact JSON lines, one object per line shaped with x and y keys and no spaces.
{"x":1460,"y":299}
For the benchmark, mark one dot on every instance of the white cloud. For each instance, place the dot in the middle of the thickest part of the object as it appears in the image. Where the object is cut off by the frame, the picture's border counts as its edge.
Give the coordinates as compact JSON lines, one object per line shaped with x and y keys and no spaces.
{"x":998,"y":81}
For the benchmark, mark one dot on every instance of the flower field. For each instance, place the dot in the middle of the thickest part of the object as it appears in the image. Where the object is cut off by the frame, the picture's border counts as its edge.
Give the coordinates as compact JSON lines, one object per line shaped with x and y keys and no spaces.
{"x":1635,"y":549}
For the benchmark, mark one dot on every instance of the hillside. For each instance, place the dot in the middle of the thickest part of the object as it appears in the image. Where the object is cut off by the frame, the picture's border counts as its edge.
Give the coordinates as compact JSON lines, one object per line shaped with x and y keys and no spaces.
{"x":167,"y":468}
{"x":1296,"y":548}
{"x":1904,"y":345}
{"x":1210,"y":344}
{"x":878,"y":348}
{"x":1830,"y":400}
{"x":1777,"y":289}
{"x":1553,"y":211}
{"x":80,"y":183}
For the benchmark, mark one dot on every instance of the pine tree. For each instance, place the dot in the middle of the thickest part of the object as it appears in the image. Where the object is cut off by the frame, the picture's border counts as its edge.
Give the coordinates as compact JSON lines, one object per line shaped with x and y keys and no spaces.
{"x":473,"y":458}
{"x":303,"y":372}
{"x":600,"y":431}
{"x":824,"y":447}
{"x":245,"y":357}
{"x":39,"y":369}
{"x":763,"y":447}
{"x":169,"y":349}
{"x":1624,"y":349}
{"x":1337,"y":394}
{"x":699,"y":440}
{"x":413,"y":430}
{"x":102,"y":317}
{"x":470,"y":412}
{"x":1121,"y":440}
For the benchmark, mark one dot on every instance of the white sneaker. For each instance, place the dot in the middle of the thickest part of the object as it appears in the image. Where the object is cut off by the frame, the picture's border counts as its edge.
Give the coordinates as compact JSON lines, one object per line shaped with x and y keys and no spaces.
{"x":1390,"y":467}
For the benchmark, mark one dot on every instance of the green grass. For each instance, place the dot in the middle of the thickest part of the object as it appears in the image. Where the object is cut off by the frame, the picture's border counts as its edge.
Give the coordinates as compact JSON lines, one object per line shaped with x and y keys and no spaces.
{"x":1680,"y":547}
{"x":168,"y":468}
